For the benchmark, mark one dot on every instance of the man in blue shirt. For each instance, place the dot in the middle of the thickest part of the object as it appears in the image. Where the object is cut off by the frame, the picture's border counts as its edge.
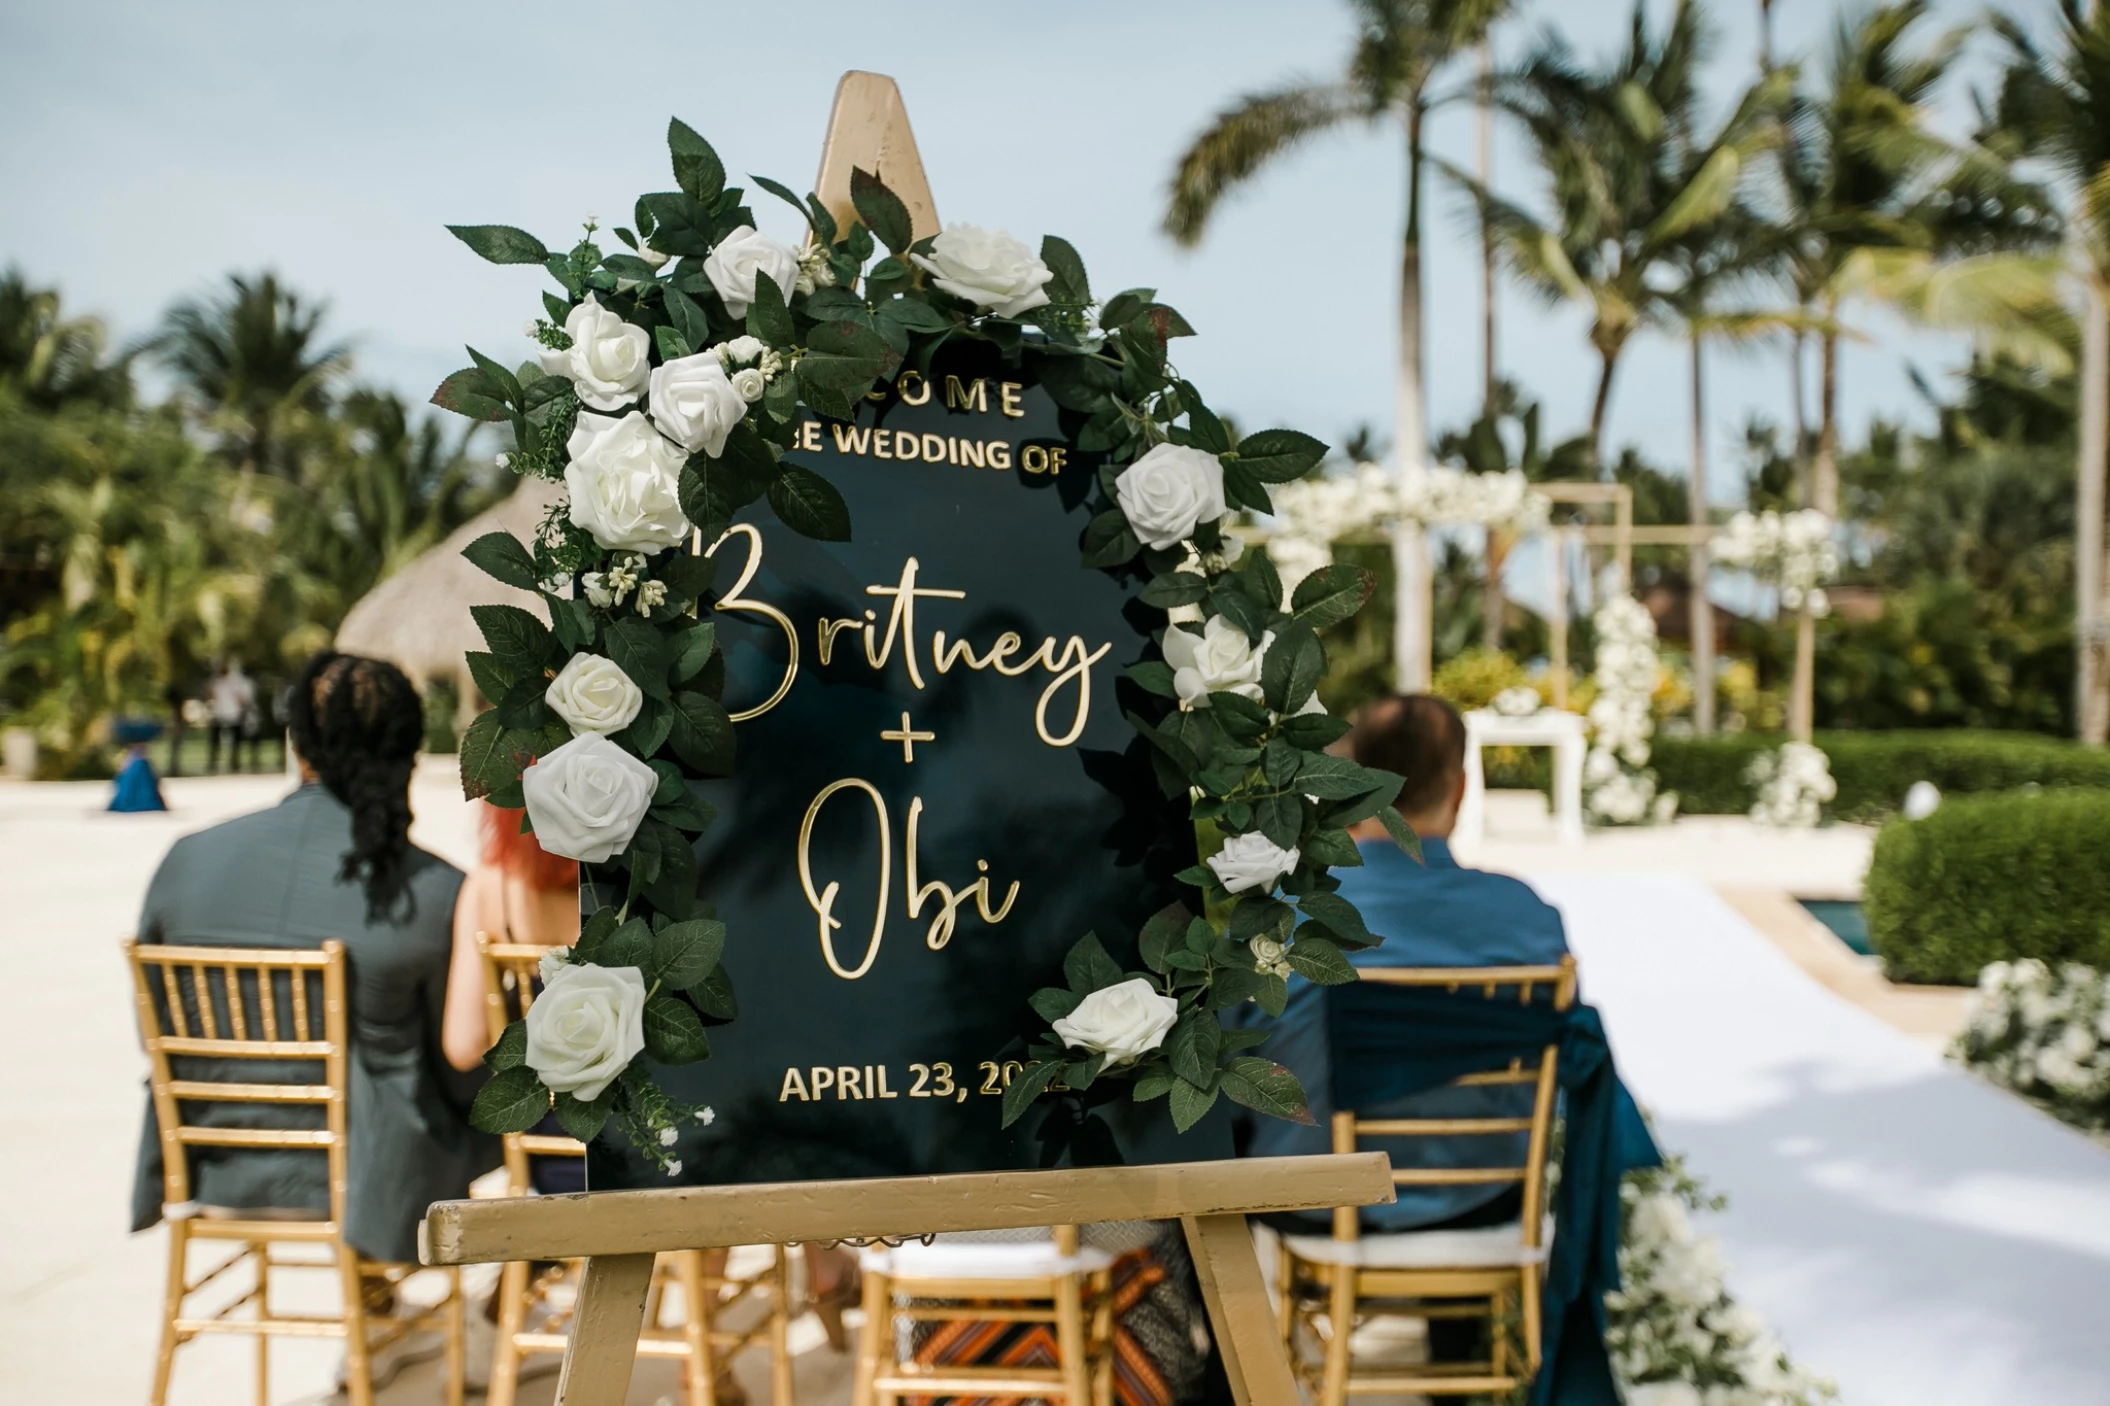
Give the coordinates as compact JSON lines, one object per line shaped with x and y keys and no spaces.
{"x":1428,"y":914}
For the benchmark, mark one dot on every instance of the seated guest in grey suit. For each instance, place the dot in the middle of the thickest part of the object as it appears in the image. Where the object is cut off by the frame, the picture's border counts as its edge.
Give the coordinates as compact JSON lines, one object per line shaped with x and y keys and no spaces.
{"x":1436,"y":913}
{"x":334,"y":860}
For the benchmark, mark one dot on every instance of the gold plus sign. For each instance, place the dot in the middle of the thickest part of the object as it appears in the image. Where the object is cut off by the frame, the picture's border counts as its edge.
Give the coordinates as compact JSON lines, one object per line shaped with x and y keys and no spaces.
{"x":908,"y":737}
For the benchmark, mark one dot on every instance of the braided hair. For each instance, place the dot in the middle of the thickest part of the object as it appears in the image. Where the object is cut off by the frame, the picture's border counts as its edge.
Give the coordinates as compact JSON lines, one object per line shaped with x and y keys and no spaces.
{"x":358,"y":723}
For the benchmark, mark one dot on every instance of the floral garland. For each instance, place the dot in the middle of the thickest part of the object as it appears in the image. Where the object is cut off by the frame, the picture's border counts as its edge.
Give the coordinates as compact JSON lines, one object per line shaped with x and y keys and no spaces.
{"x":1317,"y":512}
{"x":1795,"y":551}
{"x":1676,"y":1336}
{"x":671,"y":377}
{"x":1794,"y":785}
{"x":1620,"y":788}
{"x":2045,"y":1034}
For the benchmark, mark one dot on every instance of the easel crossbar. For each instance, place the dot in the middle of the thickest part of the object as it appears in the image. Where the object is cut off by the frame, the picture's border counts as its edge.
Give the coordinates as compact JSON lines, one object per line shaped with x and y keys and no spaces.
{"x":777,"y":1213}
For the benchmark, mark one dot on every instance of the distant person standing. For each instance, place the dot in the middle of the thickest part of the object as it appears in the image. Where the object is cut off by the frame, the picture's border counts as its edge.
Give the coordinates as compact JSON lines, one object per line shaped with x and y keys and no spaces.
{"x":231,"y":698}
{"x":172,"y":698}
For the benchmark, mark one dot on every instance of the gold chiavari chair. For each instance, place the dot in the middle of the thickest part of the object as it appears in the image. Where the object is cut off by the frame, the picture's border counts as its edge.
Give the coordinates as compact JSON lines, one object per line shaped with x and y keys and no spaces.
{"x":203,"y":1011}
{"x":1053,"y":1281}
{"x":1330,"y":1284}
{"x":709,"y":1292}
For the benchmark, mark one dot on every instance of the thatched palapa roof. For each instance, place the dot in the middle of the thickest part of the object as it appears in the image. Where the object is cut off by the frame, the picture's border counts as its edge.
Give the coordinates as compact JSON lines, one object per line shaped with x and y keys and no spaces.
{"x":418,"y":619}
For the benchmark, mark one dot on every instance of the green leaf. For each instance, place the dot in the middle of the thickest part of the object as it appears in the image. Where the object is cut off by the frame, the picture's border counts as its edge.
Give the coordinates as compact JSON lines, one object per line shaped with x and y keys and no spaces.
{"x":697,"y":169}
{"x":594,"y":933}
{"x":1053,"y":1003}
{"x":1160,"y":935}
{"x":809,"y":505}
{"x":511,"y":1050}
{"x":1266,"y":1087}
{"x":467,"y":393}
{"x":1193,"y":1046}
{"x":640,"y":650}
{"x":1292,"y":668}
{"x":630,"y":945}
{"x":690,"y":649}
{"x":1259,"y":917}
{"x":683,"y":954}
{"x":909,"y":315}
{"x":583,"y":1120}
{"x":519,"y":642}
{"x":1280,"y":456}
{"x":714,"y":996}
{"x":500,"y":556}
{"x":783,"y":193}
{"x":1240,"y":609}
{"x":495,"y":376}
{"x":1108,"y":540}
{"x":687,"y":811}
{"x":673,"y":1033}
{"x":1319,"y":961}
{"x":1337,"y":913}
{"x":689,"y":316}
{"x":680,"y":226}
{"x":703,"y":734}
{"x":1239,"y":715}
{"x":1280,"y":818}
{"x":1087,"y":967}
{"x":842,"y":361}
{"x":672,"y":345}
{"x":1313,"y":732}
{"x":1402,"y":834}
{"x":512,"y":1102}
{"x":1189,"y":1103}
{"x":1230,"y":986}
{"x":501,"y":244}
{"x":1265,"y":582}
{"x":1154,"y":1084}
{"x":1332,"y":594}
{"x":490,"y":678}
{"x":767,"y":317}
{"x":687,"y":576}
{"x":1333,"y":778}
{"x":1153,"y":676}
{"x":1027,"y":1085}
{"x":881,"y":210}
{"x":1175,"y":588}
{"x":483,"y":764}
{"x":1330,"y":849}
{"x":1069,"y":284}
{"x":1371,"y":802}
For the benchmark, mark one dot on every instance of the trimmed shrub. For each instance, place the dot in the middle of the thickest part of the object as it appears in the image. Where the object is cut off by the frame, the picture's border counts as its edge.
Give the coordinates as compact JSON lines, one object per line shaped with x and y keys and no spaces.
{"x":1992,"y":878}
{"x":1874,"y":769}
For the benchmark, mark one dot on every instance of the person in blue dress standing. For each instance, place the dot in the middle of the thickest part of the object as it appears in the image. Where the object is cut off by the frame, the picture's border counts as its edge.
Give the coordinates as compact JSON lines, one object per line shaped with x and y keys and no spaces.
{"x":137,"y":788}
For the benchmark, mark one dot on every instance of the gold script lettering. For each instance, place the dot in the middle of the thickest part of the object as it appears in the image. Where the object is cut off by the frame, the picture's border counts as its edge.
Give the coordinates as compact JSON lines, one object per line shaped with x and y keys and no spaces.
{"x":736,"y":600}
{"x":824,"y":902}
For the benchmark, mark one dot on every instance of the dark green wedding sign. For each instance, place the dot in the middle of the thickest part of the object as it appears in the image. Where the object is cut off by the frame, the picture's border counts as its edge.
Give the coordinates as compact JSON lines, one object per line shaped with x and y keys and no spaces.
{"x":936,"y":795}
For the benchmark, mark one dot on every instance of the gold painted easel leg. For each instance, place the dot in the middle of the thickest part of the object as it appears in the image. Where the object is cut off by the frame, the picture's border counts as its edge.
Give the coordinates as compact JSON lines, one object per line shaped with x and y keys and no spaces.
{"x":698,"y":1321}
{"x":780,"y":1329}
{"x":1239,"y":1314}
{"x":875,"y":1340}
{"x":603,"y":1345}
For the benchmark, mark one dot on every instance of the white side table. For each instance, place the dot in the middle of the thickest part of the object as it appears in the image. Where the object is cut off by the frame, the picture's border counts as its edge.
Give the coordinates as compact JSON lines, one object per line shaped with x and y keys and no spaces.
{"x":1550,"y":727}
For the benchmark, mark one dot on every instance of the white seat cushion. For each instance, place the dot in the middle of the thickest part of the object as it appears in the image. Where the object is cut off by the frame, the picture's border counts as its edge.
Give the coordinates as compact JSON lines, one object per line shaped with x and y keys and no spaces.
{"x":1495,"y":1246}
{"x":982,"y":1259}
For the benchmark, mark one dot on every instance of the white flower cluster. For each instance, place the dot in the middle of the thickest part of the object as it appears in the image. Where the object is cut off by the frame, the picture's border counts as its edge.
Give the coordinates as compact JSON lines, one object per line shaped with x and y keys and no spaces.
{"x":2045,"y":1034}
{"x":1795,"y":551}
{"x":1675,"y":1335}
{"x":1314,"y":513}
{"x":1520,"y":701}
{"x":1618,"y":787}
{"x":1793,"y":785}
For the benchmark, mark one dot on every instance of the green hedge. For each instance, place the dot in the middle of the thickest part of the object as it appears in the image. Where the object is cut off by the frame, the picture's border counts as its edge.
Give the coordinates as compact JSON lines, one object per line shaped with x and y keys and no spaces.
{"x":1874,"y":769}
{"x":1992,"y":878}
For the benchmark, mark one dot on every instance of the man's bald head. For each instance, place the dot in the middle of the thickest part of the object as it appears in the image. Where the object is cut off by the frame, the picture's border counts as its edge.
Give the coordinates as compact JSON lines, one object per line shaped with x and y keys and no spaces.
{"x":1422,"y":739}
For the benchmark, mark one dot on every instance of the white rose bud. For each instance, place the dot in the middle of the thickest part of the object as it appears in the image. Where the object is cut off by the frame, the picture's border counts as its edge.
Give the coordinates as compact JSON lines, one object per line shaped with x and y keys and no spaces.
{"x":1169,"y":492}
{"x":1123,"y":1022}
{"x":739,"y":350}
{"x":1218,"y":660}
{"x":587,"y":798}
{"x":750,"y":383}
{"x":695,"y":404}
{"x":608,"y":359}
{"x":586,"y":1027}
{"x":593,"y":694}
{"x":742,"y":257}
{"x":625,"y":482}
{"x":552,"y":962}
{"x":650,"y":255}
{"x":987,"y":268}
{"x":1252,"y":862}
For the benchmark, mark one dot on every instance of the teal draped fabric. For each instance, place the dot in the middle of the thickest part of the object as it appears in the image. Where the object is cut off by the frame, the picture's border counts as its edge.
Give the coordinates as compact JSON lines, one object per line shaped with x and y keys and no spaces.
{"x":1391,"y":1041}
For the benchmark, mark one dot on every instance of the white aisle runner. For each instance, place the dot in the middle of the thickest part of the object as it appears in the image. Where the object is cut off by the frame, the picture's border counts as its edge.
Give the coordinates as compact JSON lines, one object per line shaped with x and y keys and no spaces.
{"x":1923,"y":1239}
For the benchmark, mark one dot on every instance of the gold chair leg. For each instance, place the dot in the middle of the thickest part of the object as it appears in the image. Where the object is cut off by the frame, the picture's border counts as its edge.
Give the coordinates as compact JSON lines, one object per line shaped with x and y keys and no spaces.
{"x":1069,"y":1339}
{"x":171,"y":1308}
{"x":1529,"y":1293}
{"x":457,"y":1339}
{"x":874,"y":1340}
{"x":261,"y":1252}
{"x":780,"y":1388}
{"x":513,"y":1284}
{"x":1102,"y":1339}
{"x":1498,"y":1325}
{"x":696,"y":1325}
{"x":358,"y":1366}
{"x":1341,"y":1320}
{"x":1285,"y":1278}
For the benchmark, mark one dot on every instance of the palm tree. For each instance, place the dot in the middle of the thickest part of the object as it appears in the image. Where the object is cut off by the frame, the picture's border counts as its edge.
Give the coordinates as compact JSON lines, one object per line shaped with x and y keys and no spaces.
{"x":255,"y":363}
{"x":2057,"y":106}
{"x":52,"y":360}
{"x":1400,"y":48}
{"x":1633,"y":180}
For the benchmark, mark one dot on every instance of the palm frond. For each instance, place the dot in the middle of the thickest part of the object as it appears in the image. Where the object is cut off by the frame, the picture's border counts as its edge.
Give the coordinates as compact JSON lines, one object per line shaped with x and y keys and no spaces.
{"x":1242,"y":140}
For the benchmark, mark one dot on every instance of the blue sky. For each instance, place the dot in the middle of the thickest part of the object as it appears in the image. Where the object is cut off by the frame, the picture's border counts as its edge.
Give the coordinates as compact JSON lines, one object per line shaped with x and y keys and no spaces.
{"x":148,"y":148}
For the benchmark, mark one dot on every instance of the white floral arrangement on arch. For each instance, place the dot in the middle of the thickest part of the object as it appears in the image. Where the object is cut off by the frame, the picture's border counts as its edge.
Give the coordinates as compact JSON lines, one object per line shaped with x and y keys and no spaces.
{"x":1314,"y":513}
{"x":1794,"y":786}
{"x":1618,"y":787}
{"x":1796,"y":552}
{"x":669,"y":380}
{"x":2043,"y":1032}
{"x":1675,"y":1334}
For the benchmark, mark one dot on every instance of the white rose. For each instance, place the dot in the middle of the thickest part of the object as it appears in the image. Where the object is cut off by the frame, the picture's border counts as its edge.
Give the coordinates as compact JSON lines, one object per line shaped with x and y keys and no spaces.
{"x":587,"y":797}
{"x":742,"y":257}
{"x":552,"y":962}
{"x":740,"y":349}
{"x":608,"y":359}
{"x":1218,"y":660}
{"x":694,"y":403}
{"x":1252,"y":862}
{"x":625,"y":482}
{"x":1169,"y":492}
{"x":586,"y":1027}
{"x":988,"y":268}
{"x":593,"y":694}
{"x":750,"y":383}
{"x":1123,"y":1022}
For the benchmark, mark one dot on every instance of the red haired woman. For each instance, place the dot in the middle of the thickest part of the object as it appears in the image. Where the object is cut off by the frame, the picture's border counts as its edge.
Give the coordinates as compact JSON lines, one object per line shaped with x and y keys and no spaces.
{"x":518,"y":892}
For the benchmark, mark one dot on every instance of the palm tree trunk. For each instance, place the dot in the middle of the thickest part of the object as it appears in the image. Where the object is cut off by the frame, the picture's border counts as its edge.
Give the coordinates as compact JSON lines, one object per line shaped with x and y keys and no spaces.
{"x":1412,"y":660}
{"x":2092,"y":682}
{"x":1824,"y":482}
{"x":1799,"y":452}
{"x":1696,"y":509}
{"x":1609,"y":362}
{"x":1494,"y":605}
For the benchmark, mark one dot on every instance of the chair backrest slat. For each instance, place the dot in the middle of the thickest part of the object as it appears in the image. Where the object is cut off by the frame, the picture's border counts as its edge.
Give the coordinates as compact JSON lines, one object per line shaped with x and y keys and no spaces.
{"x":1541,"y":1074}
{"x":175,"y":991}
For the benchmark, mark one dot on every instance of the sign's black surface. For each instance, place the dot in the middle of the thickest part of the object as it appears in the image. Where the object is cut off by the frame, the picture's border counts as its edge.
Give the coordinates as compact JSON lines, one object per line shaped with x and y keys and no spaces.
{"x":936,"y":795}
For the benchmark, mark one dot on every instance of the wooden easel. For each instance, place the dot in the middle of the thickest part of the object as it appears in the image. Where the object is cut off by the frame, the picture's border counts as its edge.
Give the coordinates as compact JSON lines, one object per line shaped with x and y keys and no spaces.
{"x":619,"y":1233}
